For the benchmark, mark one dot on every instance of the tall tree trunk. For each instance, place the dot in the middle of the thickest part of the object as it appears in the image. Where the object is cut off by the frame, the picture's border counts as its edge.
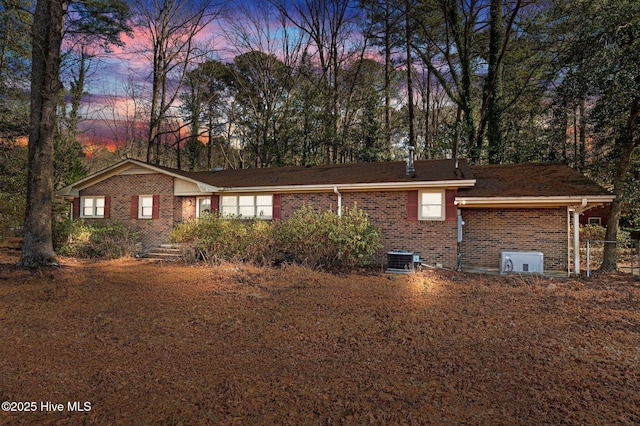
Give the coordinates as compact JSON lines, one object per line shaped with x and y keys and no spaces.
{"x":427,"y":118}
{"x":387,"y":79}
{"x":583,"y":135}
{"x":494,"y":84}
{"x":408,"y":32}
{"x":48,"y":20}
{"x":630,"y":140}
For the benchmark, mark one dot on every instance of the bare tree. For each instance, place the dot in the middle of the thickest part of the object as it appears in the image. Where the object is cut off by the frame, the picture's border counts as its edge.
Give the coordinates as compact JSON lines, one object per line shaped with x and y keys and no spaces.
{"x":264,"y":78}
{"x":123,"y":115}
{"x":170,"y":28}
{"x":330,"y":26}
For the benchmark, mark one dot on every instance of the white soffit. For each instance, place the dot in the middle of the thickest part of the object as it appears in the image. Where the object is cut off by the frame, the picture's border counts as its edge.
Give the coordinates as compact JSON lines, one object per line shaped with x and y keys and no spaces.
{"x":376,"y":186}
{"x":183,"y":187}
{"x":477,"y":202}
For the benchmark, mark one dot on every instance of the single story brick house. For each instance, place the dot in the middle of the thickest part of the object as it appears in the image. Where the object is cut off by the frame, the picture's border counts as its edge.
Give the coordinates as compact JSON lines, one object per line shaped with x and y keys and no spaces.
{"x":450,"y":213}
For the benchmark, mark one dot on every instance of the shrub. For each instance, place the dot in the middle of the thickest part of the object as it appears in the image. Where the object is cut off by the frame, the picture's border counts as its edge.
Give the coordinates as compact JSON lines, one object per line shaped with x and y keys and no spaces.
{"x":326,"y":240}
{"x":232,"y":239}
{"x":318,"y":240}
{"x":597,"y":233}
{"x":79,"y":239}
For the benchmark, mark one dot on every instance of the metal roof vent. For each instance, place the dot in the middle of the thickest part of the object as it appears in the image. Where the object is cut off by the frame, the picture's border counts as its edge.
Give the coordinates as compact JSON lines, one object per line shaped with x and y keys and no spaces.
{"x":410,"y":168}
{"x":217,"y":169}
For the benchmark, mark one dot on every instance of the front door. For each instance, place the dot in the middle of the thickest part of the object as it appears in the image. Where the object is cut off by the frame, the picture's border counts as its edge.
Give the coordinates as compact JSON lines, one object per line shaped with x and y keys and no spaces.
{"x":204,"y":207}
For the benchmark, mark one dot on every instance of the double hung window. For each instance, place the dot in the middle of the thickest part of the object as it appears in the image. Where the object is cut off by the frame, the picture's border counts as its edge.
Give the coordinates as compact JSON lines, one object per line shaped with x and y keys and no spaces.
{"x":92,"y":207}
{"x":247,"y":206}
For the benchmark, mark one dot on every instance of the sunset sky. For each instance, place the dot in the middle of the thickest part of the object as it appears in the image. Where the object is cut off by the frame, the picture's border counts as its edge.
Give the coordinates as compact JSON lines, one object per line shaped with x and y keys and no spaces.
{"x":113,"y":74}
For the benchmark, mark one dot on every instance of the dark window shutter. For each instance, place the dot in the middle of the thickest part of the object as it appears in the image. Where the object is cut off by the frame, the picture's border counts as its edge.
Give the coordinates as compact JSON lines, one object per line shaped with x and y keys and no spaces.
{"x":277,"y":206}
{"x":215,"y":203}
{"x":134,"y":207}
{"x":155,"y":209}
{"x":451,"y":208}
{"x":412,"y":205}
{"x":107,"y":207}
{"x":76,"y":208}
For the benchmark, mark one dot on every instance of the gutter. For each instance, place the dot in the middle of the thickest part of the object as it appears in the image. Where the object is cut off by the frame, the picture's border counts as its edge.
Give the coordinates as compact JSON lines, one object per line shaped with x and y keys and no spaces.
{"x":531,"y":201}
{"x":329,"y":187}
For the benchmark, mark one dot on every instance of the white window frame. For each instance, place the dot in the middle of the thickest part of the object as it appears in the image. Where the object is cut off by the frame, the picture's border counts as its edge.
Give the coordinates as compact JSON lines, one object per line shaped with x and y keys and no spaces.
{"x":594,"y":220}
{"x":95,"y":207}
{"x":141,"y":207}
{"x":233,"y":205}
{"x":422,"y":205}
{"x":198,"y":200}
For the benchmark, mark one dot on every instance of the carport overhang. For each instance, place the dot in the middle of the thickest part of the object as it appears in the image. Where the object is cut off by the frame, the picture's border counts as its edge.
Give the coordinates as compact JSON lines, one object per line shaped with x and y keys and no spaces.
{"x":575,"y":205}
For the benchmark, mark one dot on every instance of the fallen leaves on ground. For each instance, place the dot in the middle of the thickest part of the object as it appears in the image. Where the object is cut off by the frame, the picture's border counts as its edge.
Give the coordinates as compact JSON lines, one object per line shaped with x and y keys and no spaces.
{"x":147,"y":342}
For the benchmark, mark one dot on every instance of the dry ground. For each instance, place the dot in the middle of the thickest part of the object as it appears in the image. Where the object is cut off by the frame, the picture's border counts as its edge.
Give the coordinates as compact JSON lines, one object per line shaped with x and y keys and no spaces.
{"x":156,"y":343}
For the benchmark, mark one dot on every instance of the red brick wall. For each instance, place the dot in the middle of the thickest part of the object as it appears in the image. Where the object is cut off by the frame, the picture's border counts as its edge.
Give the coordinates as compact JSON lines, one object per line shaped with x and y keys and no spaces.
{"x":183,"y":211}
{"x":434,"y":241}
{"x":487,"y":232}
{"x":321,"y":201}
{"x":121,"y":188}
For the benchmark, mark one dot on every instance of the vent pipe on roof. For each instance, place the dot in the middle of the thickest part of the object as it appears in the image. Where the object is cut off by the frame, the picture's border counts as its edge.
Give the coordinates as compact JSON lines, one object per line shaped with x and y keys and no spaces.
{"x":410,"y":168}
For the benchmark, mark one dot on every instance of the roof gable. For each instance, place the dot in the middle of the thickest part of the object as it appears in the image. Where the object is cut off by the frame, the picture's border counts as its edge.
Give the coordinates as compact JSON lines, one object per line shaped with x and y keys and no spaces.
{"x":124,"y":167}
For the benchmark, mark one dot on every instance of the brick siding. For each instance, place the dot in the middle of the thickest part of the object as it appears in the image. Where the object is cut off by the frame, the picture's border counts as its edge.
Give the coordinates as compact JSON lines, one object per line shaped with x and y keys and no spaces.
{"x":122,"y":187}
{"x":487,"y":232}
{"x":434,"y":241}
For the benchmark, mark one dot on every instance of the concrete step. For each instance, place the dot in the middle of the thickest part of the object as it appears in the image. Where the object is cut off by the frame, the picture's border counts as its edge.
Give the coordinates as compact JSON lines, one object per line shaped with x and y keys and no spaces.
{"x":164,"y":252}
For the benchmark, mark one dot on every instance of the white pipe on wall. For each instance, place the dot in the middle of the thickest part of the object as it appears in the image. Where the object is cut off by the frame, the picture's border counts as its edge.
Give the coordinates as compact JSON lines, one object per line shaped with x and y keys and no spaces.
{"x":568,"y":241}
{"x":576,"y":235}
{"x":335,"y":191}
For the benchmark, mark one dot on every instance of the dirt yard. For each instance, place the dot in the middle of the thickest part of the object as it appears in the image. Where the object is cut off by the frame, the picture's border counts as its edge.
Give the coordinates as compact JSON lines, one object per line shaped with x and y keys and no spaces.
{"x":142,"y":342}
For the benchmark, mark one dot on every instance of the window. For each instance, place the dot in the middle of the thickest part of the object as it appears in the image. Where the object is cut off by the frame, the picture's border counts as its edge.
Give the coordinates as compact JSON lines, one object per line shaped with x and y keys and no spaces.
{"x":92,"y":207}
{"x":431,"y":205}
{"x":595,"y":220}
{"x":247,"y":206}
{"x":145,"y":207}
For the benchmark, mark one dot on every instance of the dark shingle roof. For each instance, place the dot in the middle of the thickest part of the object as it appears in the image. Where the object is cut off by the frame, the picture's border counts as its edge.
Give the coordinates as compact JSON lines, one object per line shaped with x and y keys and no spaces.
{"x":335,"y":174}
{"x":530,"y":180}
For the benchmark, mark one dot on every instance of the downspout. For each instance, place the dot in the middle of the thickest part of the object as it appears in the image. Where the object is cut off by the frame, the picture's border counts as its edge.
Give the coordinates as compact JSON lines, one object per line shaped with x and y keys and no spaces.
{"x":569,"y":241}
{"x":576,"y":235}
{"x":335,"y":191}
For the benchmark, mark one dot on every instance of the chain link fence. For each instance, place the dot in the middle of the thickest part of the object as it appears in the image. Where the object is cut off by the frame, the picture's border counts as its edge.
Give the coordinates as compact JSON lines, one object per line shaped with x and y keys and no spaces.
{"x":628,"y":256}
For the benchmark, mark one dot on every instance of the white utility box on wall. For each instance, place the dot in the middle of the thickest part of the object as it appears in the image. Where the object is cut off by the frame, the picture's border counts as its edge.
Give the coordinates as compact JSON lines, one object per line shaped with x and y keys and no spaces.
{"x":521,"y":261}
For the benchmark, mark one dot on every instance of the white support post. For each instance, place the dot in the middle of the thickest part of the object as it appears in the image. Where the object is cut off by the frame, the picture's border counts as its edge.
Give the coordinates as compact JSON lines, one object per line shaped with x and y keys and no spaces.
{"x":576,"y":242}
{"x":576,"y":235}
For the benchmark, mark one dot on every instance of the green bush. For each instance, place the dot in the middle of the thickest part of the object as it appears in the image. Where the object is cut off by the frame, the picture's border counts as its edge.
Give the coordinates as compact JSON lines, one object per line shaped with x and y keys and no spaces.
{"x":232,"y":239}
{"x":76,"y":238}
{"x":597,"y":233}
{"x":326,"y":240}
{"x":318,"y":240}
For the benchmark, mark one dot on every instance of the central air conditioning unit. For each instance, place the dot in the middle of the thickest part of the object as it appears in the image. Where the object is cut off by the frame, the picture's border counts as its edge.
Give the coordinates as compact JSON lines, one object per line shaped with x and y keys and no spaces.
{"x":521,"y":261}
{"x":401,"y":261}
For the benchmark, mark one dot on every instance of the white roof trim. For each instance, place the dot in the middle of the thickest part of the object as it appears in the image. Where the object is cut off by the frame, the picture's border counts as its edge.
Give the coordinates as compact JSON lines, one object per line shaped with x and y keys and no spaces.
{"x":353,"y":186}
{"x":470,"y":202}
{"x":74,"y":188}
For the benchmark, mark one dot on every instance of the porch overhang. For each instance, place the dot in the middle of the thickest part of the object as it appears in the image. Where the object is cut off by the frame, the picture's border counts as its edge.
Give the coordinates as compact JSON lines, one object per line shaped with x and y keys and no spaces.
{"x":531,"y":202}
